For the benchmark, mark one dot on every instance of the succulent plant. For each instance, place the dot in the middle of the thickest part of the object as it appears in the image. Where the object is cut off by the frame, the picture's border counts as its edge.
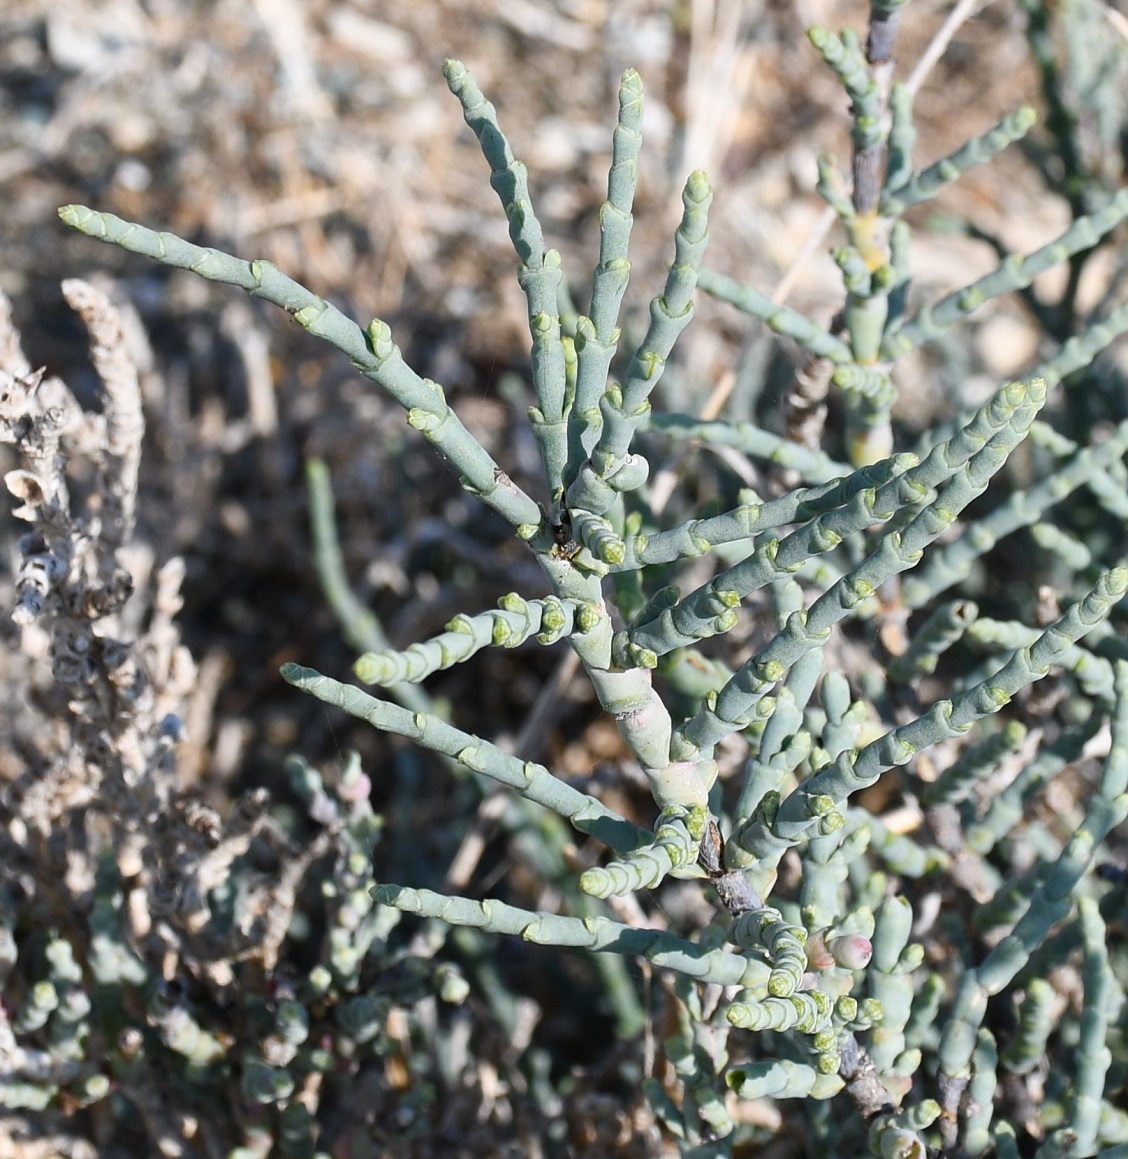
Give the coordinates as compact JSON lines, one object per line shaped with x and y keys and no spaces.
{"x":906,"y":960}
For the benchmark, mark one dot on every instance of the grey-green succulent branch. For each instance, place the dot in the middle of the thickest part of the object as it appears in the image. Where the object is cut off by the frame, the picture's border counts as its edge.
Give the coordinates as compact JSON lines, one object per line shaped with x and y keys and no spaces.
{"x":844,"y":725}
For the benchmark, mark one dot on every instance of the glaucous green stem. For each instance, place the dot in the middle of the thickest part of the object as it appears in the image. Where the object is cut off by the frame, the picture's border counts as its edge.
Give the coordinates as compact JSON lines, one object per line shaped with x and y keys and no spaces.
{"x":373,"y":353}
{"x":531,"y":780}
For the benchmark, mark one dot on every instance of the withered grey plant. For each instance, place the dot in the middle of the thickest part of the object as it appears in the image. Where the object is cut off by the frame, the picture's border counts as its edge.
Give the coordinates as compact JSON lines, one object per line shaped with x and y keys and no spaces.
{"x":906,"y":961}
